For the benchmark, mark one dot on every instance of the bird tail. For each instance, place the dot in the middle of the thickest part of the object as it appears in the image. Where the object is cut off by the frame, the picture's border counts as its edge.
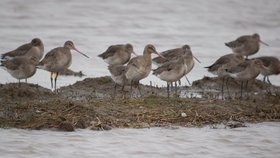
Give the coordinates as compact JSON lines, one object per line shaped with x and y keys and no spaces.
{"x":40,"y":67}
{"x":227,"y":44}
{"x":4,"y":58}
{"x":209,"y":67}
{"x":1,"y":61}
{"x":101,"y":55}
{"x":231,"y":44}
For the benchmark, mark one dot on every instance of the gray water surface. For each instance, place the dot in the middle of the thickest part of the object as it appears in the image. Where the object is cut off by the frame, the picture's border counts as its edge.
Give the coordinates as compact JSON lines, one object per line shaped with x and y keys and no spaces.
{"x":255,"y":141}
{"x":93,"y":25}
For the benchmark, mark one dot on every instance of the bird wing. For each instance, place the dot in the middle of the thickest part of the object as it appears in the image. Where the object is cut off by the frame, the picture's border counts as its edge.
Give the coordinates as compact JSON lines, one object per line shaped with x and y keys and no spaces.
{"x":21,"y":50}
{"x":268,"y":60}
{"x":168,"y":66}
{"x":221,"y":61}
{"x":239,"y":68}
{"x":13,"y":64}
{"x":136,"y":62}
{"x":224,"y":59}
{"x":242,"y":39}
{"x":50,"y":56}
{"x":169,"y":55}
{"x":110,"y":51}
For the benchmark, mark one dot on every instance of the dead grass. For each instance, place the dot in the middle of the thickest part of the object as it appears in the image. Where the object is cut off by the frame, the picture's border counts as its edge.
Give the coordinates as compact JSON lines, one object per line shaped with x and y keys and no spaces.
{"x":34,"y":107}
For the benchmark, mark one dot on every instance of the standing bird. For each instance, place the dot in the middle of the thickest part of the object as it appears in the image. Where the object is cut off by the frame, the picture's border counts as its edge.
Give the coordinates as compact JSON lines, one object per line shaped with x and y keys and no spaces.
{"x":174,"y":54}
{"x":118,"y":76}
{"x":248,"y":70}
{"x":176,"y":68}
{"x":58,"y":60}
{"x":225,"y":62}
{"x":272,"y":67}
{"x":139,"y":67}
{"x":33,"y":49}
{"x":171,"y":72}
{"x":20,"y":67}
{"x":246,"y":45}
{"x":117,"y":54}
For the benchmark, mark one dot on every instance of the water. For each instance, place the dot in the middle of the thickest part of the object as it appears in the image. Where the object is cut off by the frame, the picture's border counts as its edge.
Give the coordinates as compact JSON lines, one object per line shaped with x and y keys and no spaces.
{"x":256,"y":140}
{"x":93,"y":25}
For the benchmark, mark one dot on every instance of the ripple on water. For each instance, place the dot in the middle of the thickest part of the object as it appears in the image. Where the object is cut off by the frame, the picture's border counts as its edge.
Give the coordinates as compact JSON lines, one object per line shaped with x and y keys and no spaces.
{"x":153,"y":142}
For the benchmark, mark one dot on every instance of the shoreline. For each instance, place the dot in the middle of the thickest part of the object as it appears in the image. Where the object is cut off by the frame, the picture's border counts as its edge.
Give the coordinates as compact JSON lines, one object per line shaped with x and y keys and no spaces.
{"x":89,"y":104}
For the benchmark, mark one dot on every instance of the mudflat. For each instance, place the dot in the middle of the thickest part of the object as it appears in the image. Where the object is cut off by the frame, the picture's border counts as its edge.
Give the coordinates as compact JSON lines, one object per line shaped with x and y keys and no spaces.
{"x":90,"y":104}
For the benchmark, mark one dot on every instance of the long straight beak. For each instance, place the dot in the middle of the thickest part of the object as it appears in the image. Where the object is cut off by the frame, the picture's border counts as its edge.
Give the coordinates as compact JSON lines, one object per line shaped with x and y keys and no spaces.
{"x":262,"y":42}
{"x":80,"y":52}
{"x":197,"y":59}
{"x":135,"y":54}
{"x":160,"y":55}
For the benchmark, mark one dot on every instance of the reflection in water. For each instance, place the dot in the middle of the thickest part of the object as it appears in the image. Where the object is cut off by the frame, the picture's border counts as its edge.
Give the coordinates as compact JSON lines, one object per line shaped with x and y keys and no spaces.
{"x":256,"y":140}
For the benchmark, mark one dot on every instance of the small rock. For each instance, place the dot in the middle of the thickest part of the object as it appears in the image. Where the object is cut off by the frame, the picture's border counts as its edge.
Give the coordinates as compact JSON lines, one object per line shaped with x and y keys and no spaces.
{"x":183,"y":114}
{"x":100,"y":127}
{"x":80,"y":124}
{"x":106,"y":127}
{"x":235,"y":124}
{"x":66,"y":126}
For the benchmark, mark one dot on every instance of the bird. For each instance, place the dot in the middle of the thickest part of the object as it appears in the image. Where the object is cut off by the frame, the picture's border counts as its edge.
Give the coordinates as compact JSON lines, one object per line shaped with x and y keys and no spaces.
{"x":35,"y":48}
{"x":117,"y":54}
{"x":20,"y":67}
{"x":174,"y":54}
{"x":246,"y":45}
{"x":171,"y":72}
{"x":58,"y":60}
{"x":245,"y":71}
{"x":177,"y":67}
{"x":220,"y":65}
{"x":225,"y":61}
{"x":272,"y":67}
{"x":139,"y":67}
{"x":118,"y":76}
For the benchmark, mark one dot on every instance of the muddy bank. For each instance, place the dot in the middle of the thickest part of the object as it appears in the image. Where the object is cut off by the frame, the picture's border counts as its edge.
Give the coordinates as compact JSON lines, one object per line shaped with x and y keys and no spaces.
{"x":89,"y":104}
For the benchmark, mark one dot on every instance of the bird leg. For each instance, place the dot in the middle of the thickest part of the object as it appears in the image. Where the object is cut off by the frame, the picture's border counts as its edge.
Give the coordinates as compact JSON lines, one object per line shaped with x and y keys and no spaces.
{"x":167,"y":89}
{"x":188,"y":80}
{"x":223,"y":88}
{"x":55,"y":78}
{"x":131,"y":89}
{"x":176,"y":89}
{"x":227,"y":87}
{"x":246,"y":88}
{"x":241,"y":89}
{"x":51,"y":80}
{"x":264,"y":79}
{"x":268,"y":80}
{"x":115,"y":89}
{"x":138,"y":87}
